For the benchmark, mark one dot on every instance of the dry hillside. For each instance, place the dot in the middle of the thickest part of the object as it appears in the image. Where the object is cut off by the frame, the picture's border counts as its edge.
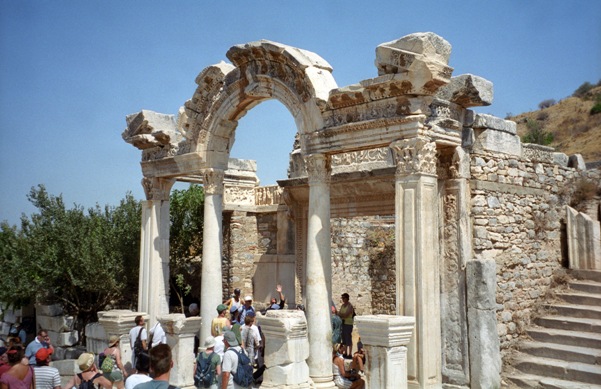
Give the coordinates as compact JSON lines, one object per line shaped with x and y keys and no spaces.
{"x":574,"y":129}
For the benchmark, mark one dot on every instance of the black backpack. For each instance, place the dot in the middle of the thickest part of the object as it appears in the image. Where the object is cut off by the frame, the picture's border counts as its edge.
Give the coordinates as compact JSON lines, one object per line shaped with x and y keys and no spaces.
{"x":244,"y":374}
{"x":138,"y":347}
{"x":205,"y":374}
{"x":87,"y":384}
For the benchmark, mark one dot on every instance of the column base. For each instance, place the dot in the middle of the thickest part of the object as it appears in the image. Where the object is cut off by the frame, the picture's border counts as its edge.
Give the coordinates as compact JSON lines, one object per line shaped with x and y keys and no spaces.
{"x":305,"y":385}
{"x":323,"y":382}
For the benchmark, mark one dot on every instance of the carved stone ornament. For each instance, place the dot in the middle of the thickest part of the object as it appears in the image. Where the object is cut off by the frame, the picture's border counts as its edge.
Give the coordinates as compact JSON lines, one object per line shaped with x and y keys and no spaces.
{"x":213,"y":181}
{"x":157,"y":188}
{"x":415,"y":155}
{"x":318,"y":169}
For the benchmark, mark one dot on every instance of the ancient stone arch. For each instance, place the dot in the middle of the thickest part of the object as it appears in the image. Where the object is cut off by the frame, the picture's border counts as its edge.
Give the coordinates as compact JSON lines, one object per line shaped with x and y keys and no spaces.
{"x":403,"y":144}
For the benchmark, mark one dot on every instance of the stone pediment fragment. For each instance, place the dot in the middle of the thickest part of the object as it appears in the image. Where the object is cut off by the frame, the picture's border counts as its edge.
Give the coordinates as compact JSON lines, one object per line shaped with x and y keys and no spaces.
{"x":467,"y":91}
{"x":421,"y":57}
{"x":148,"y":129}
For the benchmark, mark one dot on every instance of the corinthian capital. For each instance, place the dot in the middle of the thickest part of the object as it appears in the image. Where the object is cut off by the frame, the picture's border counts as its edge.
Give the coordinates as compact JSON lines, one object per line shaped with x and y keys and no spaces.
{"x":318,"y":169}
{"x":157,"y":188}
{"x":415,"y":155}
{"x":213,"y":181}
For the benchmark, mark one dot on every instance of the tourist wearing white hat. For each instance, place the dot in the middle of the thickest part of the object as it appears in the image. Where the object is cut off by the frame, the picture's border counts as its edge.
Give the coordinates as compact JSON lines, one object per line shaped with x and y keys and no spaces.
{"x":208,"y":365}
{"x":247,"y":307}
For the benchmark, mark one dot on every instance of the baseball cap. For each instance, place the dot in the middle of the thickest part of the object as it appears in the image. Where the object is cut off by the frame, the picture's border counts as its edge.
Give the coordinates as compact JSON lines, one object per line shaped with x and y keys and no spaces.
{"x":248,"y":298}
{"x":43,"y":354}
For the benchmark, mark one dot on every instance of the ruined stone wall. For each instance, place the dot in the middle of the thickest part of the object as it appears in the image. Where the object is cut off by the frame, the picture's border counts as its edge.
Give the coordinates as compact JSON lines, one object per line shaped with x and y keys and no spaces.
{"x":240,"y":247}
{"x":517,"y":214}
{"x":363,"y":263}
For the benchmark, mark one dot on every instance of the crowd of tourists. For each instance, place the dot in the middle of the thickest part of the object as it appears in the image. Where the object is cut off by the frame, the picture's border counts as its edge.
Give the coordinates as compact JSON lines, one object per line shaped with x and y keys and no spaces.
{"x":230,"y":358}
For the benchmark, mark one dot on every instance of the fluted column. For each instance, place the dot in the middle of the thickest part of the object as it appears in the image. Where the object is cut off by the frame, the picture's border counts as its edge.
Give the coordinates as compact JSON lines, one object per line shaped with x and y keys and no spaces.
{"x":319,"y":271}
{"x":417,"y":261}
{"x":212,"y":285}
{"x":153,"y":287}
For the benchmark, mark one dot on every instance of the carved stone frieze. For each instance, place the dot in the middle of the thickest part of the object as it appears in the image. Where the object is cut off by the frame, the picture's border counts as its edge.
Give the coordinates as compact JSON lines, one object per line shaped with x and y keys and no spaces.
{"x":157,"y":188}
{"x":268,"y":195}
{"x":239,"y":195}
{"x":213,"y":181}
{"x":318,"y":169}
{"x":415,"y":155}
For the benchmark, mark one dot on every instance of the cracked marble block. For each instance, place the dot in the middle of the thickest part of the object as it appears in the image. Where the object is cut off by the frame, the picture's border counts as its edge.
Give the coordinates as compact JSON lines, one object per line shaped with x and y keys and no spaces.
{"x":286,"y":349}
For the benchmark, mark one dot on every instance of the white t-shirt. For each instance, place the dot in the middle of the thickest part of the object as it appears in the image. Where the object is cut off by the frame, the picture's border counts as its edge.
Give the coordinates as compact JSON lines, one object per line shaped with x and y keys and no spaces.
{"x":133,"y":335}
{"x":158,"y":336}
{"x":230,"y":363}
{"x":136,"y":379}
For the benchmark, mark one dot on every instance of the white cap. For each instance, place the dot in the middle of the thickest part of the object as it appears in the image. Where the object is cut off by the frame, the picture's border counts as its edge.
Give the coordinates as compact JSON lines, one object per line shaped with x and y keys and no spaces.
{"x":248,"y":298}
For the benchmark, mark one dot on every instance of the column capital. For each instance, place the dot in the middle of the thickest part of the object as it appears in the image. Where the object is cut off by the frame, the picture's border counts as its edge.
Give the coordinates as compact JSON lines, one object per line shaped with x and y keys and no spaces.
{"x":414,"y":155}
{"x":319,"y":169}
{"x":157,"y":188}
{"x":213,"y":181}
{"x":385,"y":330}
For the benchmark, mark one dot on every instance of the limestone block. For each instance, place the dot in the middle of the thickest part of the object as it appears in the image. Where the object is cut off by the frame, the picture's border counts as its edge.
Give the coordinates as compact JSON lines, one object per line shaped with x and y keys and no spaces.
{"x":12,"y":316}
{"x":119,"y":321}
{"x":96,"y":331}
{"x":148,"y":129}
{"x":467,"y":90}
{"x":286,"y":337}
{"x":67,"y":367}
{"x":49,"y":310}
{"x":290,"y":374}
{"x":497,"y":141}
{"x":481,"y":283}
{"x":62,"y":339}
{"x":485,"y":356}
{"x":385,"y":330}
{"x":560,"y":159}
{"x":492,"y":122}
{"x":576,"y":161}
{"x":55,"y":323}
{"x":5,"y":328}
{"x":421,"y":59}
{"x":59,"y":354}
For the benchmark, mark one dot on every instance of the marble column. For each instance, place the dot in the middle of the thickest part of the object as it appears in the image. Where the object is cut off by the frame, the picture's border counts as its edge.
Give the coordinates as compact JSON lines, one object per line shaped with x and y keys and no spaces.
{"x":319,"y":271}
{"x":417,"y":256}
{"x":153,"y":287}
{"x":385,"y":338}
{"x":180,"y":332}
{"x":211,"y":287}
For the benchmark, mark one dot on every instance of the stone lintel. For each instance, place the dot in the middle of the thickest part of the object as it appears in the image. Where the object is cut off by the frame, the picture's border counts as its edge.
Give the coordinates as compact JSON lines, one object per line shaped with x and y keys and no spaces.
{"x":119,"y":321}
{"x":491,"y":122}
{"x":178,"y":165}
{"x":385,"y":330}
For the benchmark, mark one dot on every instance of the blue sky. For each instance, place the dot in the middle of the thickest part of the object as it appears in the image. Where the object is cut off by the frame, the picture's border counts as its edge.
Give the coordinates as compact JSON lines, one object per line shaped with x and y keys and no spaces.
{"x":70,"y":71}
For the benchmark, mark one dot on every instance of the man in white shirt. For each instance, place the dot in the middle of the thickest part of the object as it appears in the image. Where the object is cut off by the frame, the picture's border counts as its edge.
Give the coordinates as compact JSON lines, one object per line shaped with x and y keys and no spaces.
{"x":140,"y":331}
{"x":158,"y":335}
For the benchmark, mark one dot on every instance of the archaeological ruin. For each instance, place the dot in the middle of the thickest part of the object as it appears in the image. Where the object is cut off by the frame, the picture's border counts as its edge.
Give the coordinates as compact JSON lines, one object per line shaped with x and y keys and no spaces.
{"x":477,"y":223}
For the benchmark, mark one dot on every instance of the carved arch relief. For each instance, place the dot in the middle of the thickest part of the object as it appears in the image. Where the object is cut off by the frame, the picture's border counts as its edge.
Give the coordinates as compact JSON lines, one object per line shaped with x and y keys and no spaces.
{"x":261,"y":70}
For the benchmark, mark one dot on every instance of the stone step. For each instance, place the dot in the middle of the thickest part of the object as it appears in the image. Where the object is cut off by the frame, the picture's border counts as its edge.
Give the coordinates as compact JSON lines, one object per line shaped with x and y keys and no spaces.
{"x":563,"y":352}
{"x":531,"y":381}
{"x":553,"y":368}
{"x":570,"y":338}
{"x":586,"y":286}
{"x":569,"y":323}
{"x":580,"y":298}
{"x":592,"y":275}
{"x":586,"y":311}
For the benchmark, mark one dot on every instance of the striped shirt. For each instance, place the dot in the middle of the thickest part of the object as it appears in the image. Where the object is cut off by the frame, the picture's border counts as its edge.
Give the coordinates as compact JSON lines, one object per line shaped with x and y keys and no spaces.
{"x":46,"y":377}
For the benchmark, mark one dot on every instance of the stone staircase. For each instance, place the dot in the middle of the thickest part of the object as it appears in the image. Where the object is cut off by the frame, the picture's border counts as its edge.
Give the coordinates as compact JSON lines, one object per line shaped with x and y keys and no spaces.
{"x":565,"y":350}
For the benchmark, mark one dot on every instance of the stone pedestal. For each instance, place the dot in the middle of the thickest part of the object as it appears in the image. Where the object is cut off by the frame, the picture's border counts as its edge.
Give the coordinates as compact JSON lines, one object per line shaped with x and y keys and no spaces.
{"x":286,"y":349}
{"x":385,"y":338}
{"x":180,"y":333}
{"x":119,"y":322}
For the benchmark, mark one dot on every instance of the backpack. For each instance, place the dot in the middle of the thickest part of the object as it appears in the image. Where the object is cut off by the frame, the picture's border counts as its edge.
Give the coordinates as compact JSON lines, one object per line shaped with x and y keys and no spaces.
{"x":205,"y":374}
{"x":87,"y":384}
{"x":244,"y":374}
{"x":138,"y":347}
{"x":107,"y":365}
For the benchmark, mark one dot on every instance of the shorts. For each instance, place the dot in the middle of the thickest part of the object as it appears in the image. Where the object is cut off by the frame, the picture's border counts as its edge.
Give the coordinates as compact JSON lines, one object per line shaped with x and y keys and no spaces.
{"x":114,"y":376}
{"x":347,"y":334}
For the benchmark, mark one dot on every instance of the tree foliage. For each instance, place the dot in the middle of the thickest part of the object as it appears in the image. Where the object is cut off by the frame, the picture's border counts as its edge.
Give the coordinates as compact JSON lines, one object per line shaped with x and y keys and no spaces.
{"x":536,"y":133}
{"x":185,"y":239}
{"x":582,"y":90}
{"x":547,"y":103}
{"x":84,"y":259}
